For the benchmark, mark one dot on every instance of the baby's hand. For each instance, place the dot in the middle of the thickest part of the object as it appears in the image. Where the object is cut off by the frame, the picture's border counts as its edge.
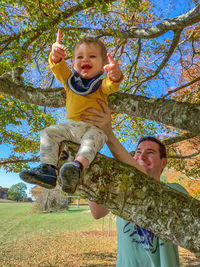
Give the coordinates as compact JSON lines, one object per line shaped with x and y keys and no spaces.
{"x":58,"y":51}
{"x":113,"y":69}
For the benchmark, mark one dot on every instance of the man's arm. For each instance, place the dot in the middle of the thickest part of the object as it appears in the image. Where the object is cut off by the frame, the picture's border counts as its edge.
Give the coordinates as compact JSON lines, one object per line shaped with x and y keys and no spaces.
{"x":98,"y":211}
{"x":103,"y":121}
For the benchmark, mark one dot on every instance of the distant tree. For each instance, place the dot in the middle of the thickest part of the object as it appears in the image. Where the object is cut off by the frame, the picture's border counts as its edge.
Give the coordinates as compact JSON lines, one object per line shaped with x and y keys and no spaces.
{"x":49,"y":200}
{"x":17,"y":192}
{"x":3,"y":192}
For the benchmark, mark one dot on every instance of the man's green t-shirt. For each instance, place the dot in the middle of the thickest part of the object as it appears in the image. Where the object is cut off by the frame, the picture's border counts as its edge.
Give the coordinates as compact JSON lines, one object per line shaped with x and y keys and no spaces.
{"x":138,"y":247}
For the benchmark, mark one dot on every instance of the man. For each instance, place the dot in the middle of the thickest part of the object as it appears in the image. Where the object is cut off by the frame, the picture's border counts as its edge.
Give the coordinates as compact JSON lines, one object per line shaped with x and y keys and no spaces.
{"x":137,"y":247}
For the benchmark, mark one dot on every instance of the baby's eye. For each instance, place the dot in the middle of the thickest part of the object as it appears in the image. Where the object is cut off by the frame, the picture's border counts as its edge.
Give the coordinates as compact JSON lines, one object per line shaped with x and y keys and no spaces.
{"x":79,"y":57}
{"x":92,"y":56}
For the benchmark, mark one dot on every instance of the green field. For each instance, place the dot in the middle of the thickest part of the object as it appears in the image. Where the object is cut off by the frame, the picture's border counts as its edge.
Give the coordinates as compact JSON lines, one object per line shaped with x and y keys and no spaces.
{"x":39,"y":238}
{"x":18,"y":220}
{"x":69,"y":238}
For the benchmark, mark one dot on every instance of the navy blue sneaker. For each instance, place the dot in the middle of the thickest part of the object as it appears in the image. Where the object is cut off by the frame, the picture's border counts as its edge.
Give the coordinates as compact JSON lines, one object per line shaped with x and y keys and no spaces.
{"x":70,"y":174}
{"x":43,"y":175}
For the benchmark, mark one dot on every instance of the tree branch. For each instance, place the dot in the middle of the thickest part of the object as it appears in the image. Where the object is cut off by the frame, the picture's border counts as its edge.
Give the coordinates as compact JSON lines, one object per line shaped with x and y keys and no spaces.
{"x":181,"y":87}
{"x":184,"y":157}
{"x":173,"y":24}
{"x":180,"y":115}
{"x":35,"y":159}
{"x":164,"y":61}
{"x":44,"y":97}
{"x":178,"y":139}
{"x":38,"y":31}
{"x":140,"y":199}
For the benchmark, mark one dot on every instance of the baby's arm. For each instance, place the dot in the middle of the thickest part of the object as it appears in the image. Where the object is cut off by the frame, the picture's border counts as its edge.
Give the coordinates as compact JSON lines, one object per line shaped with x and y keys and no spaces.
{"x":113,"y":69}
{"x":58,"y":51}
{"x":112,"y":82}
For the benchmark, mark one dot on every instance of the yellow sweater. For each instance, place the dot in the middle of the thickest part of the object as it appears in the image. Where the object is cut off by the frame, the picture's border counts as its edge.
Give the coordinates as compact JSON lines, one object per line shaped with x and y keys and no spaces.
{"x":76,"y":104}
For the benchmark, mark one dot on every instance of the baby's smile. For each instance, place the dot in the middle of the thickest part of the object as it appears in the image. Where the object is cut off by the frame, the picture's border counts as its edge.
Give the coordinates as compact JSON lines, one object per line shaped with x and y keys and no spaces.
{"x":86,"y":67}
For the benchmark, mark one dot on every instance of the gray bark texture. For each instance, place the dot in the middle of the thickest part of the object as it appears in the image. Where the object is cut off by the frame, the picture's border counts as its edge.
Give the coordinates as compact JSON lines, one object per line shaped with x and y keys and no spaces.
{"x":184,"y":116}
{"x":173,"y":24}
{"x":130,"y":194}
{"x":180,"y":115}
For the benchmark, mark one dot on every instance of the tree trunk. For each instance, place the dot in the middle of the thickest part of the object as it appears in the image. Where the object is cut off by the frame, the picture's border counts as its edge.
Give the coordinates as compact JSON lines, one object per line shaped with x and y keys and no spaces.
{"x":130,"y":194}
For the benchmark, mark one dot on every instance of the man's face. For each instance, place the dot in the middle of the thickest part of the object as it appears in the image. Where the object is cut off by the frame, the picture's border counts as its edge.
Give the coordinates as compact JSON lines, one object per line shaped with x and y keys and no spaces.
{"x":148,"y":156}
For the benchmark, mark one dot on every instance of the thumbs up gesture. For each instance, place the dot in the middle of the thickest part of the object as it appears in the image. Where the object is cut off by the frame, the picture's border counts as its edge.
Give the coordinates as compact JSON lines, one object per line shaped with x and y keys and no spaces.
{"x":58,"y":51}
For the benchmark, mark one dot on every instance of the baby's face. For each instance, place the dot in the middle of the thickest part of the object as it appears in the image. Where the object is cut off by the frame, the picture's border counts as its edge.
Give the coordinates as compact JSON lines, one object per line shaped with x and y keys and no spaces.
{"x":88,"y":60}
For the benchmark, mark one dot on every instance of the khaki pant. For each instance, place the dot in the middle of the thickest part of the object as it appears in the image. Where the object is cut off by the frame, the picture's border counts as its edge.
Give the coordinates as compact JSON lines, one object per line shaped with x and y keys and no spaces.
{"x":90,"y":138}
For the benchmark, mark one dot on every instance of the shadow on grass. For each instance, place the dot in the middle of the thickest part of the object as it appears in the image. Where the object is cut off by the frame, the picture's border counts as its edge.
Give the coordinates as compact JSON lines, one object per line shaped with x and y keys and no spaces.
{"x":75,"y":210}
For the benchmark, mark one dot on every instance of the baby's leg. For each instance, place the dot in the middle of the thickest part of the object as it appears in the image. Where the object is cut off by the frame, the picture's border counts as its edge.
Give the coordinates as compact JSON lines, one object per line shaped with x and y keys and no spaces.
{"x":84,"y":162}
{"x":51,"y":138}
{"x":91,"y":142}
{"x":45,"y":174}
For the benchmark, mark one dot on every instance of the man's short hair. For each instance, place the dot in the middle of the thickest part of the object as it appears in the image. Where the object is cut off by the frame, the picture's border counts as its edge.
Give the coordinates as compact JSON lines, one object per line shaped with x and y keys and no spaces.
{"x":162,"y":148}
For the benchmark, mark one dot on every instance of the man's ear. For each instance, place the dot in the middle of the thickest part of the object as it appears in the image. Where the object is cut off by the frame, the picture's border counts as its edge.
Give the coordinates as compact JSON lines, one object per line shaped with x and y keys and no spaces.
{"x":164,"y":163}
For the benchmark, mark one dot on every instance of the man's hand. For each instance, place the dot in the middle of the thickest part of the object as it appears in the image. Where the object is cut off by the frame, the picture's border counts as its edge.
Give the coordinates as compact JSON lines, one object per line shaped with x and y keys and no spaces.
{"x":113,"y":69}
{"x":101,"y":119}
{"x":58,"y":51}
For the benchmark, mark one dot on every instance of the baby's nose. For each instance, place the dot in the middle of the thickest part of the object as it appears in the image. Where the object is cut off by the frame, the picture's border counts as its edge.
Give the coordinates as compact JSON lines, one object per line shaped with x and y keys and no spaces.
{"x":86,"y":58}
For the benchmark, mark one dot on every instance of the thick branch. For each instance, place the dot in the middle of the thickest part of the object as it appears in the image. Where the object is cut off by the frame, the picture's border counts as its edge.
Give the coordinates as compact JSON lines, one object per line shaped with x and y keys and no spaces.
{"x":138,"y":198}
{"x":173,"y":24}
{"x":42,"y":97}
{"x":180,"y":115}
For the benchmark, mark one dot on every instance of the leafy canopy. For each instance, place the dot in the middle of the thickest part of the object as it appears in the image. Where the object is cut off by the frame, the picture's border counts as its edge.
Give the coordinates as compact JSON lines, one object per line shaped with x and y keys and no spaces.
{"x":155,"y":56}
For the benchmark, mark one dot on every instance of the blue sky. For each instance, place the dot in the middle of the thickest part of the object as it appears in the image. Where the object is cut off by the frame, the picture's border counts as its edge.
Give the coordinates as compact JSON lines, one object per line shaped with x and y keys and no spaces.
{"x":7,"y":179}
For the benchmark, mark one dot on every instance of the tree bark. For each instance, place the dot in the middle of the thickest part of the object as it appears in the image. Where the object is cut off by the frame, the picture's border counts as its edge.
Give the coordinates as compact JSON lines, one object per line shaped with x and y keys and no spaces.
{"x":180,"y":115}
{"x":171,"y":24}
{"x":130,"y":194}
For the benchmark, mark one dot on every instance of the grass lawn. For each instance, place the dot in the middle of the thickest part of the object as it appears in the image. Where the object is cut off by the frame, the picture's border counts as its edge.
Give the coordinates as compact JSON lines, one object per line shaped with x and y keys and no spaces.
{"x":68,"y":238}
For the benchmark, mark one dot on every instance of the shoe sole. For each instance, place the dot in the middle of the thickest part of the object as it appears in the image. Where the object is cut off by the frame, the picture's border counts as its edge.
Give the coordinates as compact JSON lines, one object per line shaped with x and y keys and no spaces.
{"x":29,"y":179}
{"x":69,"y":186}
